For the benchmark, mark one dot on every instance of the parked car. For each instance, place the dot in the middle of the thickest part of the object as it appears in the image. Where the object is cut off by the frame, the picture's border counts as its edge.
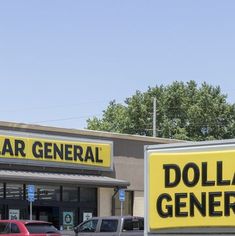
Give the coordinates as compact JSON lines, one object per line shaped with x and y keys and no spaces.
{"x":27,"y":228}
{"x":114,"y":225}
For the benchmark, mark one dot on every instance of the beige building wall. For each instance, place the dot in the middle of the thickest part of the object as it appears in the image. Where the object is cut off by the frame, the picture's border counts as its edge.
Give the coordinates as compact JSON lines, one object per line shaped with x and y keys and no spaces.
{"x":138,"y":208}
{"x":130,"y":169}
{"x":105,"y":201}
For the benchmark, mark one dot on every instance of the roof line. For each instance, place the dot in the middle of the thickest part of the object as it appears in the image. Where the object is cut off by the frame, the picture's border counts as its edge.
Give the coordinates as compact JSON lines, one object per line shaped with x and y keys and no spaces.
{"x":31,"y":127}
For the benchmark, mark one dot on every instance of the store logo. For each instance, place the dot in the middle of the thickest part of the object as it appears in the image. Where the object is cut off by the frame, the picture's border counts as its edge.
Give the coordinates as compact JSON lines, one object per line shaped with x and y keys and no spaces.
{"x":191,"y":189}
{"x":74,"y":152}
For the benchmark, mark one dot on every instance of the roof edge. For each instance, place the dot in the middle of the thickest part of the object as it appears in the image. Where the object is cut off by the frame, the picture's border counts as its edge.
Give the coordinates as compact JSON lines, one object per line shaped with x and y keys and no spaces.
{"x":33,"y":127}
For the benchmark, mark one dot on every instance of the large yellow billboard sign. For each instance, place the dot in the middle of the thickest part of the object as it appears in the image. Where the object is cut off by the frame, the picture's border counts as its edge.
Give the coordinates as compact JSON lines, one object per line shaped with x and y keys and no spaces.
{"x":79,"y":153}
{"x":191,"y":189}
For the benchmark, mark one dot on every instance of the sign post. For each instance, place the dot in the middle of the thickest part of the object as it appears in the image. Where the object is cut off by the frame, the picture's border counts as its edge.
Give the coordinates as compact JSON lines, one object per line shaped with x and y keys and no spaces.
{"x":31,"y":191}
{"x":121,"y":198}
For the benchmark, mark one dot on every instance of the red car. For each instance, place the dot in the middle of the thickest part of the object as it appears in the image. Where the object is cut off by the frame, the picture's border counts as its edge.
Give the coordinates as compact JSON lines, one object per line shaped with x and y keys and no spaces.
{"x":27,"y":228}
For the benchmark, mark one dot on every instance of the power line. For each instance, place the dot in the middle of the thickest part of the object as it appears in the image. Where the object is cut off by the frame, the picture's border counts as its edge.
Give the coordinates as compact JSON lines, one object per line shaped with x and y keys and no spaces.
{"x":79,"y":104}
{"x":63,"y":119}
{"x":53,"y":106}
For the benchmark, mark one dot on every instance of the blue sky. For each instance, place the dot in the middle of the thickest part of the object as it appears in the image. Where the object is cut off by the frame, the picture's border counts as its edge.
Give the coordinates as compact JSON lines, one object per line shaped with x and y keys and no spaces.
{"x":61,"y":62}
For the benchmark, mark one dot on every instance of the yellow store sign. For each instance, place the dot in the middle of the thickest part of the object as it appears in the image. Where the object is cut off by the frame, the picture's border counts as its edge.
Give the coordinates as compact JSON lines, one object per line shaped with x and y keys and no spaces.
{"x":79,"y":153}
{"x":190,"y":188}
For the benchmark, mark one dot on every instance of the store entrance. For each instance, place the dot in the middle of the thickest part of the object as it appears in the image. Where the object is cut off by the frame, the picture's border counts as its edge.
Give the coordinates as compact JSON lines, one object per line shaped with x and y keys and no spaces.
{"x":47,"y":213}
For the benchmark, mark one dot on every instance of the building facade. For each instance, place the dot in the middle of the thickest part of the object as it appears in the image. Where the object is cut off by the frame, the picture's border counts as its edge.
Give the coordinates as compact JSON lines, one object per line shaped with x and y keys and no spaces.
{"x":75,"y":174}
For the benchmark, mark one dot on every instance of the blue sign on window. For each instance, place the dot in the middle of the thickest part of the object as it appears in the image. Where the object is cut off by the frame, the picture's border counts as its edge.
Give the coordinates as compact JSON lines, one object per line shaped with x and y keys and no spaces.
{"x":121,"y":195}
{"x":31,"y":191}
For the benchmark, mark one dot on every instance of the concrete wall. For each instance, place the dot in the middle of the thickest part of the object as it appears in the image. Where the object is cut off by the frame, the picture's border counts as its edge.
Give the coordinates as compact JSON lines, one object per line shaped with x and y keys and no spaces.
{"x":130,"y":169}
{"x":138,"y":208}
{"x":105,"y":201}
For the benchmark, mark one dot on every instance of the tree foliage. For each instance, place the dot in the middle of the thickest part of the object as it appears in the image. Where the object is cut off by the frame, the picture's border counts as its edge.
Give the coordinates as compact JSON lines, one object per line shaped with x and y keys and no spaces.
{"x":184,"y":111}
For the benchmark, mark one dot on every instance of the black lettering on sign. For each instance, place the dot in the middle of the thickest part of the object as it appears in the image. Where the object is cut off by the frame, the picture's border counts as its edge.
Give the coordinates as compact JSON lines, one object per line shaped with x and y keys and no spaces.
{"x":47,"y":150}
{"x":166,"y":211}
{"x":213,"y":204}
{"x":58,"y":151}
{"x":68,"y":152}
{"x":228,"y":205}
{"x":196,"y":174}
{"x":37,"y":149}
{"x":205,"y":181}
{"x":195,"y":203}
{"x":220,"y":180}
{"x":7,"y":148}
{"x":190,"y":204}
{"x":89,"y":155}
{"x":185,"y":204}
{"x":78,"y":151}
{"x":179,"y":204}
{"x":169,"y":168}
{"x":20,"y":148}
{"x":172,"y":174}
{"x":97,"y":156}
{"x":233,"y":182}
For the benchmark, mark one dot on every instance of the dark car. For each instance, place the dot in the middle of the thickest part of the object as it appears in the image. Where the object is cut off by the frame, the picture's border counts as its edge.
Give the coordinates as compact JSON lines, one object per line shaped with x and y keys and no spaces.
{"x":27,"y":228}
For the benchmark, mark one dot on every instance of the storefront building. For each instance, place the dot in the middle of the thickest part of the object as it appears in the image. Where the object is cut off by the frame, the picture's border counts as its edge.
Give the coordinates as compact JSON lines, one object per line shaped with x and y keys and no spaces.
{"x":75,"y":174}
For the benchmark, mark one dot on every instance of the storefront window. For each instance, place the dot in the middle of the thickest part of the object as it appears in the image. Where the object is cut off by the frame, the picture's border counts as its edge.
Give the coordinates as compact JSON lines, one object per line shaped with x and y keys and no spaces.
{"x":47,"y":192}
{"x":88,"y":194}
{"x":1,"y":190}
{"x":1,"y":212}
{"x":14,"y":191}
{"x":70,"y":194}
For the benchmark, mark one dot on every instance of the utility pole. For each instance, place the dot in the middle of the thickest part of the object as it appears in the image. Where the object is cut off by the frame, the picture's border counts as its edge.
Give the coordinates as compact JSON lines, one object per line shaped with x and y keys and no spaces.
{"x":154,"y":117}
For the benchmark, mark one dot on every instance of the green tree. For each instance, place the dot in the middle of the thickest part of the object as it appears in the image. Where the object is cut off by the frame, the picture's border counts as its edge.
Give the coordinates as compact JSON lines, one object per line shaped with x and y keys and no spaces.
{"x":114,"y":119}
{"x":184,"y":111}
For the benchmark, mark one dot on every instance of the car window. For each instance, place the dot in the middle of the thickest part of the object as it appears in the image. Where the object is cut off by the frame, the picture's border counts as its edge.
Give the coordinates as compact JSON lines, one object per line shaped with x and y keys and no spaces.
{"x":88,"y":226}
{"x":40,"y":228}
{"x":108,"y":225}
{"x":133,"y":224}
{"x":4,"y":228}
{"x":141,"y":223}
{"x":14,"y":229}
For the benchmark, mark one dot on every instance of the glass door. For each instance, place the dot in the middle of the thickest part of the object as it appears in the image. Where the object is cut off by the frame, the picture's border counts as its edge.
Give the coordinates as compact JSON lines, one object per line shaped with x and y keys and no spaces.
{"x":46,"y":213}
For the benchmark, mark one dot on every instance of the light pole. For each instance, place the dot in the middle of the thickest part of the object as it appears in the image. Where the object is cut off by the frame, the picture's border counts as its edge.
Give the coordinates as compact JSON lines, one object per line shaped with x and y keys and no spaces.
{"x":154,"y":117}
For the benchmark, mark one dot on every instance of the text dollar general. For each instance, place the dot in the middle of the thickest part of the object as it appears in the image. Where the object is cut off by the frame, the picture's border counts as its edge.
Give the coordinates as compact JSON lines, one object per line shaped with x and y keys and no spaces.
{"x":71,"y":152}
{"x":192,"y":189}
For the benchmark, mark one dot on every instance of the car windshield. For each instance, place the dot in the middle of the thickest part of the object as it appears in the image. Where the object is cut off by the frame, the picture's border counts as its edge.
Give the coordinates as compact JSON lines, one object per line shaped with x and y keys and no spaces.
{"x":39,"y":228}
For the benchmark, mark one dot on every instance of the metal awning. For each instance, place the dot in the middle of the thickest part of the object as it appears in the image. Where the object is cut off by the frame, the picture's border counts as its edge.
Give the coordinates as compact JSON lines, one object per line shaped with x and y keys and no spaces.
{"x":61,"y":178}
